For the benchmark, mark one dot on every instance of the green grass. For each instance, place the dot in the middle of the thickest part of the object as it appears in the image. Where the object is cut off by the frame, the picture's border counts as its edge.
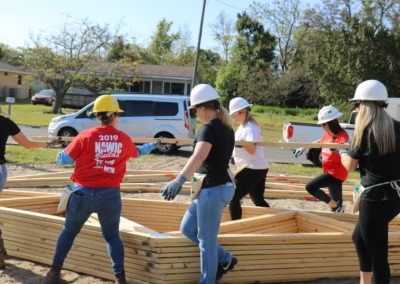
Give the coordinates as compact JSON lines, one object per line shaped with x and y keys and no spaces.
{"x":20,"y":155}
{"x":23,"y":112}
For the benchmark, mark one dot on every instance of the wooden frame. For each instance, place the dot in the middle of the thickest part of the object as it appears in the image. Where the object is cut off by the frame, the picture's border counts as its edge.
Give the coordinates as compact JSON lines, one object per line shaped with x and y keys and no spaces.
{"x":271,"y":244}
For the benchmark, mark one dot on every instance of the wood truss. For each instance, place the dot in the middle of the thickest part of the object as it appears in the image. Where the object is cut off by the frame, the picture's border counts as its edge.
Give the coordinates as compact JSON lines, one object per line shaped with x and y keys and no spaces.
{"x":272,"y":244}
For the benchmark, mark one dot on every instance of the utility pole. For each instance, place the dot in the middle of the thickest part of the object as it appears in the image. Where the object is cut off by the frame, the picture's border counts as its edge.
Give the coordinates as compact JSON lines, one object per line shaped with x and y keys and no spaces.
{"x":196,"y":62}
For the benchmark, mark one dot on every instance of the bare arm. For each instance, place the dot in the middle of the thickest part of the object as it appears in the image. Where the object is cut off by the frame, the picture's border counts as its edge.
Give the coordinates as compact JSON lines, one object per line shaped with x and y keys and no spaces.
{"x":201,"y":152}
{"x":21,"y":139}
{"x":348,"y":162}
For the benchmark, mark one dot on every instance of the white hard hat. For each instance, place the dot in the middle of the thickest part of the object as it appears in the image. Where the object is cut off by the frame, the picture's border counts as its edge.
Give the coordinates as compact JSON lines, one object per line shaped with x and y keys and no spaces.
{"x":370,"y":90}
{"x":202,"y":93}
{"x":237,"y":104}
{"x":328,"y":113}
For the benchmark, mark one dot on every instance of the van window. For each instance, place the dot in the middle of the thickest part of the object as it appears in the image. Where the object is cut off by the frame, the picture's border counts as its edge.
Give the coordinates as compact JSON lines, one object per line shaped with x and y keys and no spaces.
{"x":138,"y":108}
{"x":166,"y":109}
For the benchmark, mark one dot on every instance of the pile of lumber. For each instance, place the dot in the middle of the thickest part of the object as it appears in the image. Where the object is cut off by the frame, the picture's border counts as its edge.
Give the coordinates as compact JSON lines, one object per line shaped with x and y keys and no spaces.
{"x":292,"y":187}
{"x":272,"y":244}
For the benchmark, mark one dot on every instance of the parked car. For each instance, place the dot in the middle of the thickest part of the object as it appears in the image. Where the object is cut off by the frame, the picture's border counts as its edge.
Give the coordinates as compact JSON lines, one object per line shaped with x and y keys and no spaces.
{"x":308,"y":132}
{"x":144,"y":116}
{"x":44,"y":97}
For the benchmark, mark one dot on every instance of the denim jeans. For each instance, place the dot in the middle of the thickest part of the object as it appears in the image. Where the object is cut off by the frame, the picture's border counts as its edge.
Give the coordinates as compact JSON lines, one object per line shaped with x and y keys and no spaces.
{"x":201,"y":224}
{"x":3,"y":176}
{"x":104,"y":201}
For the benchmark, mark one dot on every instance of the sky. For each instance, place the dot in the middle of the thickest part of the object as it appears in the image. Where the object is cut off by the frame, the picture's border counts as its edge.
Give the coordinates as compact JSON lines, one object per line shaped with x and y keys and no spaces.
{"x":137,"y":19}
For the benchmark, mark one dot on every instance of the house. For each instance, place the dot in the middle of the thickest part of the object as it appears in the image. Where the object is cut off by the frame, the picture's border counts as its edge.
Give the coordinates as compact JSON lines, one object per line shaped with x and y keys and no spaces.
{"x":162,"y":79}
{"x":13,"y":82}
{"x":149,"y":79}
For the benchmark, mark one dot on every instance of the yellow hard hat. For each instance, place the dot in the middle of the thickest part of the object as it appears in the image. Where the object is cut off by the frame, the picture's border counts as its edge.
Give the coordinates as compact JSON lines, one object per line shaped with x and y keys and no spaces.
{"x":106,"y":103}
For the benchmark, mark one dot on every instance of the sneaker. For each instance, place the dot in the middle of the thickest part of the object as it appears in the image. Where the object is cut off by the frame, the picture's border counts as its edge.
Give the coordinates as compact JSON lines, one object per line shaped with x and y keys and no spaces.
{"x":120,"y":278}
{"x":338,"y":209}
{"x":54,"y":275}
{"x":225,"y":267}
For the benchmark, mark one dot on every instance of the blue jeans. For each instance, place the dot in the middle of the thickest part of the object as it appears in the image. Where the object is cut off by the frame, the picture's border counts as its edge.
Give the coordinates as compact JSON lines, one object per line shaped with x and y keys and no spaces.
{"x":106,"y":202}
{"x":201,"y":224}
{"x":3,"y":176}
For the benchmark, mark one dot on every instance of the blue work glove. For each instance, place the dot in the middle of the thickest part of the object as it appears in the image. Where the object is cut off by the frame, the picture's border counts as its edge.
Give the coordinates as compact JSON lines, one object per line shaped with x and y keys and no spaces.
{"x":171,"y":189}
{"x":147,"y":148}
{"x":299,"y":152}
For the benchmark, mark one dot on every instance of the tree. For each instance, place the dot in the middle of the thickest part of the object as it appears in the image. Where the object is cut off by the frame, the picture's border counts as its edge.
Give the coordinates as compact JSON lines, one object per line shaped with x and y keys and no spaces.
{"x":348,"y":57}
{"x":57,"y":59}
{"x":282,"y":17}
{"x":223,"y":31}
{"x":162,"y":41}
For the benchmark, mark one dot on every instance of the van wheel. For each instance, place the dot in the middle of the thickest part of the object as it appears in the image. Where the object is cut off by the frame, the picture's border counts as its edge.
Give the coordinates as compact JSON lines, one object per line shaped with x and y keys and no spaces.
{"x":166,"y":148}
{"x":314,"y":155}
{"x":67,"y":132}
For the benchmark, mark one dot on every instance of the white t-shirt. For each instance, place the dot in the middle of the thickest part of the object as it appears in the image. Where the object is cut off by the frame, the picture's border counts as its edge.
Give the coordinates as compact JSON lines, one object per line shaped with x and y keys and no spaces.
{"x":257,"y":161}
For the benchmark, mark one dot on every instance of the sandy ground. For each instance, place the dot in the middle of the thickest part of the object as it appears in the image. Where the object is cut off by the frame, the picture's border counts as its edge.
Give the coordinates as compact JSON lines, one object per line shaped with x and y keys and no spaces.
{"x":22,"y":271}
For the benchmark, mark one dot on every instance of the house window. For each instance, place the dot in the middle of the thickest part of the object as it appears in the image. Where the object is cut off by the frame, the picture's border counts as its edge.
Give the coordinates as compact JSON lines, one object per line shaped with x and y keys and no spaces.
{"x":178,"y":88}
{"x":141,"y":87}
{"x":147,"y":87}
{"x":19,"y":80}
{"x":167,"y":88}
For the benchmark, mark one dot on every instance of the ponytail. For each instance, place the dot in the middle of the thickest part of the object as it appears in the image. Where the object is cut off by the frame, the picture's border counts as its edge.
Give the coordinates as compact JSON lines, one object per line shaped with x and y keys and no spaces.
{"x":223,"y":115}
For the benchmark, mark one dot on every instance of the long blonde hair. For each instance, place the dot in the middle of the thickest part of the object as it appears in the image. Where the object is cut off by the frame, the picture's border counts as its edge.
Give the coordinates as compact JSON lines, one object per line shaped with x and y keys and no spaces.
{"x":379,"y":124}
{"x":249,"y":117}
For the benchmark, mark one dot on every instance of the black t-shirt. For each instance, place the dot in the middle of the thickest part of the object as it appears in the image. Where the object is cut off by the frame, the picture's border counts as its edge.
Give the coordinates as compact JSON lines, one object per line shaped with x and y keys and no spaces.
{"x":8,"y":127}
{"x":216,"y":164}
{"x":375,"y":169}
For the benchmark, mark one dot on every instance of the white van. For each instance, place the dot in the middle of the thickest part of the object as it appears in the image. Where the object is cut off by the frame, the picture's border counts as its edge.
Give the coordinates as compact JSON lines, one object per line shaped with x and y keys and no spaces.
{"x":144,"y":116}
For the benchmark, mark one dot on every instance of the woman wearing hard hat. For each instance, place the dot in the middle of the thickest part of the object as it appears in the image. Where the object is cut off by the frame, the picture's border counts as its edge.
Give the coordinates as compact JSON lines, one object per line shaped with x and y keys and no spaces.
{"x":251,"y":162}
{"x":214,"y":186}
{"x":334,"y":172}
{"x":100,"y":155}
{"x":375,"y":150}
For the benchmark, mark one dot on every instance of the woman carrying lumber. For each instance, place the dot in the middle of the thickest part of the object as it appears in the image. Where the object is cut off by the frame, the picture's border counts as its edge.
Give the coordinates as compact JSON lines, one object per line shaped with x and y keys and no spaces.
{"x":251,"y":162}
{"x":9,"y":128}
{"x":210,"y":160}
{"x":100,"y":155}
{"x":334,"y":172}
{"x":375,"y":150}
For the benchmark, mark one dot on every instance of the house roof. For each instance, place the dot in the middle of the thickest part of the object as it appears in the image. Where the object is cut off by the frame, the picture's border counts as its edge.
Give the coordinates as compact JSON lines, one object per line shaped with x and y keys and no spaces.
{"x":11,"y":68}
{"x":147,"y":70}
{"x":165,"y":71}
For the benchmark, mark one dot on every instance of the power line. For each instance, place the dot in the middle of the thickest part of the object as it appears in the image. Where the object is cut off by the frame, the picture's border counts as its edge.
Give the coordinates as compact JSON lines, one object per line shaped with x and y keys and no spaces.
{"x":227,"y":4}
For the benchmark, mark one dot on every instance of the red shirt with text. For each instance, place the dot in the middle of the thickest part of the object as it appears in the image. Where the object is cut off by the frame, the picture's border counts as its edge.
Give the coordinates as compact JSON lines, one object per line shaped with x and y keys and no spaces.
{"x":101,"y":154}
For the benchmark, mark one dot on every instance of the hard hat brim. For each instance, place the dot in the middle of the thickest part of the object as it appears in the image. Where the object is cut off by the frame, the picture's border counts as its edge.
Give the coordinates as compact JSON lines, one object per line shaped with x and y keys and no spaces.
{"x":339,"y":114}
{"x":236,"y":110}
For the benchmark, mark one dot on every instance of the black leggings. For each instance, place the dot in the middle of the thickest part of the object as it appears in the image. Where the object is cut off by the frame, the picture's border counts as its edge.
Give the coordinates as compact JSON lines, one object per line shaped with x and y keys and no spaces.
{"x":251,"y":182}
{"x":326,"y":180}
{"x":370,"y":237}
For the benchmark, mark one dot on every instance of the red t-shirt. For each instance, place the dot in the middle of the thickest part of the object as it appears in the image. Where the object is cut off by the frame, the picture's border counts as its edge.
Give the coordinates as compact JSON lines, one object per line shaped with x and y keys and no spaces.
{"x":101,"y":154}
{"x":331,"y":161}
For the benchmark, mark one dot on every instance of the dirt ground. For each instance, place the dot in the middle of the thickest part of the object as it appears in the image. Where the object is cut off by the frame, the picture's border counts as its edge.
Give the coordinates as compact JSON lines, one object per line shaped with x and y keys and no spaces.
{"x":22,"y":271}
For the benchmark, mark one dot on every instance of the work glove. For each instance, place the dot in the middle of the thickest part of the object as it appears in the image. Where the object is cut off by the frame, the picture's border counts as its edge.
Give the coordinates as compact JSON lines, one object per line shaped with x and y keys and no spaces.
{"x":171,"y":189}
{"x":54,"y":142}
{"x":157,"y":143}
{"x":342,"y":150}
{"x":299,"y":152}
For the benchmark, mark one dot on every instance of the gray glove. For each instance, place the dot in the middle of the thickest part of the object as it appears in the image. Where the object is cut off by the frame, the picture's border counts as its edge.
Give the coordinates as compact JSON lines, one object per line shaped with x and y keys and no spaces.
{"x":157,"y":143}
{"x":171,"y":189}
{"x":54,"y":142}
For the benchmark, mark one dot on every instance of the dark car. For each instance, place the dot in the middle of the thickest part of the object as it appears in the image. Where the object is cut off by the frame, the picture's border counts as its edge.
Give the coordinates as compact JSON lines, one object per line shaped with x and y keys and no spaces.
{"x":44,"y":97}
